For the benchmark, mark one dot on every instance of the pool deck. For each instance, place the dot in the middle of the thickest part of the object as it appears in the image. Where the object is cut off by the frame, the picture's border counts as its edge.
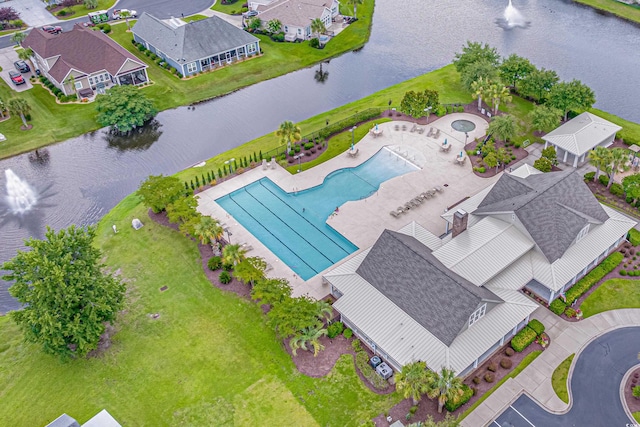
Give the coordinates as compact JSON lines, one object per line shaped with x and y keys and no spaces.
{"x":363,"y":221}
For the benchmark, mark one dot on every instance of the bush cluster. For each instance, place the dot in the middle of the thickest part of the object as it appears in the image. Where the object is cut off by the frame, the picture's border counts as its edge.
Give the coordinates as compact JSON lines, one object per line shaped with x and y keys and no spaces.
{"x":334,"y":329}
{"x":105,"y":28}
{"x":557,"y":306}
{"x":634,"y":237}
{"x":492,"y":367}
{"x":523,"y":339}
{"x":589,"y":176}
{"x":509,"y":351}
{"x":225,"y":277}
{"x":342,"y":125}
{"x":594,"y":276}
{"x":459,"y":400}
{"x":570,"y":312}
{"x":630,"y":273}
{"x":214,"y":263}
{"x":489,"y":377}
{"x":616,"y":189}
{"x":315,"y":43}
{"x":348,"y":333}
{"x":537,"y":326}
{"x":604,"y":179}
{"x":506,"y":363}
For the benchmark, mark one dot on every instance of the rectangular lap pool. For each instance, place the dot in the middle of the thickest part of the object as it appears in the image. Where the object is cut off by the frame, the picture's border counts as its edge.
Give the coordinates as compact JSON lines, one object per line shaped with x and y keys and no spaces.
{"x":293,"y":225}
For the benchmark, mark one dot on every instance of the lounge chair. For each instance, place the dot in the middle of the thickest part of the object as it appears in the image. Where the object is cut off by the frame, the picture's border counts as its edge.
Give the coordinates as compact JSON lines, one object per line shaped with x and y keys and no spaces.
{"x":438,"y":188}
{"x":436,"y":134}
{"x":420,"y":130}
{"x":269,"y":267}
{"x":401,"y":209}
{"x":404,"y":127}
{"x":397,"y":127}
{"x":407,"y":207}
{"x":430,"y":133}
{"x":394,"y":214}
{"x":273,"y":163}
{"x":431,"y":192}
{"x":265,"y":165}
{"x":413,"y":129}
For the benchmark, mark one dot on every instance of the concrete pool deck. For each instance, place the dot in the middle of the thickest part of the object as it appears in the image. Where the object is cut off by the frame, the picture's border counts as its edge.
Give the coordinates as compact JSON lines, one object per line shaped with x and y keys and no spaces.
{"x":363,"y":221}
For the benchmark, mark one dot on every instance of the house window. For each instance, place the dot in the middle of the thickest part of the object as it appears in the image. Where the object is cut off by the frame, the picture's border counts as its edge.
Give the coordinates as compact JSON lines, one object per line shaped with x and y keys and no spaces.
{"x":251,"y":48}
{"x":582,"y":233}
{"x":106,"y":77}
{"x":192,"y":67}
{"x":91,"y":81}
{"x":101,"y":77}
{"x":477,"y":315}
{"x":78,"y":85}
{"x":286,"y":29}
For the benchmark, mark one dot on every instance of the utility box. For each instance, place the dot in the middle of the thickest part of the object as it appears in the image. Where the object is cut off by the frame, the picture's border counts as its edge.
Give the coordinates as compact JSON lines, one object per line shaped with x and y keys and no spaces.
{"x":375,"y":361}
{"x":384,"y":371}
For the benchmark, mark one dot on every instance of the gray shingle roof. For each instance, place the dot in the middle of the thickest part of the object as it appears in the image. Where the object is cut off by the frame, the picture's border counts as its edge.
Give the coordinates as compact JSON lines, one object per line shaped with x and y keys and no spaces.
{"x":194,"y":40}
{"x":405,"y":271}
{"x":553,"y":207}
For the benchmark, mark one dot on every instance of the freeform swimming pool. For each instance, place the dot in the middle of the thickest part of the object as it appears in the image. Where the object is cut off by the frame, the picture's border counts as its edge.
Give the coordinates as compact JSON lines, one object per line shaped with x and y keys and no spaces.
{"x":293,"y":225}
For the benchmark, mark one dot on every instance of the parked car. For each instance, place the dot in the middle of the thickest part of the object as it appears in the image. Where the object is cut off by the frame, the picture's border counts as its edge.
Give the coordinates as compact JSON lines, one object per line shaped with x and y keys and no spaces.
{"x":52,"y":29}
{"x":250,"y":14}
{"x":117,"y":14}
{"x":22,"y":66}
{"x":16,"y":78}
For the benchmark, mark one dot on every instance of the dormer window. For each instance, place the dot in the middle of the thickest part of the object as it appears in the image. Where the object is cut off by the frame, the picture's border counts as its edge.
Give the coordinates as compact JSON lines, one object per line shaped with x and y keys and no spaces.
{"x":582,"y":233}
{"x":477,"y":315}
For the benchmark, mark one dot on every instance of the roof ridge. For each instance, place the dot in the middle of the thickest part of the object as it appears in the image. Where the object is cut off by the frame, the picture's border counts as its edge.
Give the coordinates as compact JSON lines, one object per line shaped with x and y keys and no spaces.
{"x":494,"y":236}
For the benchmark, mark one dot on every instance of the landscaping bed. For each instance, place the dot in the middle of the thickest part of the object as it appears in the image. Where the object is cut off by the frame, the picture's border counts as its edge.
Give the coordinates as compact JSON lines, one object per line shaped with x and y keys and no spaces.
{"x":632,"y":402}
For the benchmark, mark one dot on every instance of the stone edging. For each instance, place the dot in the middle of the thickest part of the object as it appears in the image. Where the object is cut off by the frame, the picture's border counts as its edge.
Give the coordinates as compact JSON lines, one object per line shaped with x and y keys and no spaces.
{"x":625,"y":378}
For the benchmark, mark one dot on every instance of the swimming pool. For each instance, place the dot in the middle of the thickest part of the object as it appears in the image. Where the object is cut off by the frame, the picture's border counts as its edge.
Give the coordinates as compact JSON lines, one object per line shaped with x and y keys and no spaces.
{"x":293,"y":225}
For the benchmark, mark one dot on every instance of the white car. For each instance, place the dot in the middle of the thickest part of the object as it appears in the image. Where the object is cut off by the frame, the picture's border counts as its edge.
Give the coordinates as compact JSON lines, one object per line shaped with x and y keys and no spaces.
{"x":117,"y":13}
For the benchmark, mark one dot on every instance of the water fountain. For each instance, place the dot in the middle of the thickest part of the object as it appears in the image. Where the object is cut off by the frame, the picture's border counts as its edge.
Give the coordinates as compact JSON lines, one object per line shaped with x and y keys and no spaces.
{"x":20,"y":196}
{"x":513,"y":18}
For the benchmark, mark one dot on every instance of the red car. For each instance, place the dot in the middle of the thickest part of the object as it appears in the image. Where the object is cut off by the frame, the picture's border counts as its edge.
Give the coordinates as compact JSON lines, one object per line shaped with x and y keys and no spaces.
{"x":16,"y":78}
{"x":52,"y":29}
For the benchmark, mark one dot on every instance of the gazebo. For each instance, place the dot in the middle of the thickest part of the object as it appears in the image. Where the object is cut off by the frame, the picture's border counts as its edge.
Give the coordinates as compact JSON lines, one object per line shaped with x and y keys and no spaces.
{"x":574,"y":139}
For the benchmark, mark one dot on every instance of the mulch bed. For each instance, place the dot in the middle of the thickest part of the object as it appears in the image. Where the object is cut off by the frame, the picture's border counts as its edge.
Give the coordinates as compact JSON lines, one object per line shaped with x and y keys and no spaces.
{"x":476,"y":161}
{"x":602,"y":192}
{"x":632,"y":402}
{"x":428,"y":406}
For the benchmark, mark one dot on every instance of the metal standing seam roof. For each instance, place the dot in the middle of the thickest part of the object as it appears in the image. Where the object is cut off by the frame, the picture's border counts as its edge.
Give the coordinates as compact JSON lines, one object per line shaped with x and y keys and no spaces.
{"x":484,"y":250}
{"x":194,"y":40}
{"x":407,"y":273}
{"x":423,"y":235}
{"x":298,"y":13}
{"x":582,"y":133}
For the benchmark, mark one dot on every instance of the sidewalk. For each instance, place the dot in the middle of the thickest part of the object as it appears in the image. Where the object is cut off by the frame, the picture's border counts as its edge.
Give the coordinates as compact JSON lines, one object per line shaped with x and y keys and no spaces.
{"x":566,"y":338}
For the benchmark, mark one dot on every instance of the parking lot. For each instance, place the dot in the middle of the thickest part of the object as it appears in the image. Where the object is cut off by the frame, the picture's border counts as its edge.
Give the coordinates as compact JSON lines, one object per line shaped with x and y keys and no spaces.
{"x":7,"y":57}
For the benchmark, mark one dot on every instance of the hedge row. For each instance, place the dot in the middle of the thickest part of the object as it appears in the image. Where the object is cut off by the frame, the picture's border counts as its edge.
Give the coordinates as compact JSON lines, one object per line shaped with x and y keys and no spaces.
{"x":634,"y":237}
{"x":459,"y":400}
{"x":557,"y":306}
{"x":523,"y":338}
{"x":537,"y":326}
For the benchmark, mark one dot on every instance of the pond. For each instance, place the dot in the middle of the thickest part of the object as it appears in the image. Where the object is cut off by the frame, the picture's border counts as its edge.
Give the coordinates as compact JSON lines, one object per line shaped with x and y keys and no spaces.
{"x":79,"y":180}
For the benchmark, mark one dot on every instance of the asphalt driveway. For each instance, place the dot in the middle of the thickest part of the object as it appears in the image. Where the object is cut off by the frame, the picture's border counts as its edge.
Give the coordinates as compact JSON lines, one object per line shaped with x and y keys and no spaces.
{"x":7,"y":57}
{"x":595,"y":387}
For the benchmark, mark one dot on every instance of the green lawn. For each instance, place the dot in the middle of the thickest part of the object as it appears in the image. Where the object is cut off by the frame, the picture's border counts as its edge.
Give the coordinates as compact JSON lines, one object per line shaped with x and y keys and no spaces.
{"x":630,"y":130}
{"x":636,"y":416}
{"x":621,"y":10}
{"x":194,"y":18}
{"x":611,"y":295}
{"x":559,"y":379}
{"x":525,"y":362}
{"x":81,"y":10}
{"x":208,"y":360}
{"x":228,"y":8}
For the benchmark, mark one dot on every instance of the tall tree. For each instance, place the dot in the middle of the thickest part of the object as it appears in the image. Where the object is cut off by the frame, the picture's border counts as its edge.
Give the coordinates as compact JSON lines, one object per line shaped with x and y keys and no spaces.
{"x":21,"y":107}
{"x":499,"y":94}
{"x":250,"y":270}
{"x":271,"y":291}
{"x":124,"y":108}
{"x":600,"y":157}
{"x":318,"y":27}
{"x":208,"y":230}
{"x":543,"y":164}
{"x":445,"y":386}
{"x":545,"y":118}
{"x":631,"y":185}
{"x":288,"y":132}
{"x":413,"y":380}
{"x":479,"y":89}
{"x":233,"y":254}
{"x":418,"y":104}
{"x":571,"y":96}
{"x":480,"y":69}
{"x":255,"y":23}
{"x":551,"y":154}
{"x":619,"y":161}
{"x":66,"y":296}
{"x":503,"y":127}
{"x":18,"y":37}
{"x":126,"y":15}
{"x":474,"y":52}
{"x":182,"y":210}
{"x":355,"y":3}
{"x":8,"y":14}
{"x":309,"y":336}
{"x":515,"y":68}
{"x":293,"y":315}
{"x":537,"y":84}
{"x":157,"y":192}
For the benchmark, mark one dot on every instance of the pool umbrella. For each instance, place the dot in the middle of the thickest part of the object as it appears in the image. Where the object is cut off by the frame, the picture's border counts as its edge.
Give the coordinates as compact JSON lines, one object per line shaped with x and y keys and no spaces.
{"x":352,"y":146}
{"x":376,"y":126}
{"x":445,"y":141}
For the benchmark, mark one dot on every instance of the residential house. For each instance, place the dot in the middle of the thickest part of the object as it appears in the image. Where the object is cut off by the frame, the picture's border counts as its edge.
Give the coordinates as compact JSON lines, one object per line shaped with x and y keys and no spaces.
{"x":296,"y":15}
{"x":195,"y":46}
{"x":83,"y":60}
{"x":575,"y":138}
{"x":453,"y":301}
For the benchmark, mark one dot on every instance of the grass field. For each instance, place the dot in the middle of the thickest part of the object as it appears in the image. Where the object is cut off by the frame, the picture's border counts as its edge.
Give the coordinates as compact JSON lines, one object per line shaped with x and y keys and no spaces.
{"x":209,"y":359}
{"x":81,"y":10}
{"x":611,"y":295}
{"x":619,"y":9}
{"x":559,"y":379}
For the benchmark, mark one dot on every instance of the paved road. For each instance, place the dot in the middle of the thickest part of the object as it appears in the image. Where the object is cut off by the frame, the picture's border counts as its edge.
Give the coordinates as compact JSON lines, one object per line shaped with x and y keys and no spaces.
{"x":160,"y":8}
{"x":595,"y":386}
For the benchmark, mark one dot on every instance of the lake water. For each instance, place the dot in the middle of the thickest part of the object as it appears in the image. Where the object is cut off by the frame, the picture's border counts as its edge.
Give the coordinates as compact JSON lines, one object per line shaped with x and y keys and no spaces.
{"x":84,"y":177}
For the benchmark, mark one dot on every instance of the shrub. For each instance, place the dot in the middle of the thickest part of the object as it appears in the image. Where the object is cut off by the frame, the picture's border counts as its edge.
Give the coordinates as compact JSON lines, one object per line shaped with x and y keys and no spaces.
{"x":362,"y":362}
{"x":225,"y":277}
{"x":356,"y":345}
{"x":480,"y":169}
{"x":517,"y":144}
{"x":308,"y":145}
{"x":509,"y":351}
{"x":335,"y":329}
{"x":557,"y":306}
{"x":297,"y":148}
{"x":141,"y":47}
{"x":616,"y":189}
{"x":62,"y":13}
{"x":634,"y":237}
{"x":279,"y":37}
{"x":476,"y":380}
{"x":348,"y":333}
{"x":492,"y":367}
{"x":594,"y":276}
{"x":537,"y":326}
{"x":604,"y":180}
{"x":489,"y":377}
{"x":589,"y":176}
{"x":214,"y":263}
{"x":570,"y":312}
{"x":459,"y":400}
{"x":623,"y":272}
{"x":523,"y":338}
{"x":228,"y":266}
{"x":314,"y":42}
{"x":506,"y":363}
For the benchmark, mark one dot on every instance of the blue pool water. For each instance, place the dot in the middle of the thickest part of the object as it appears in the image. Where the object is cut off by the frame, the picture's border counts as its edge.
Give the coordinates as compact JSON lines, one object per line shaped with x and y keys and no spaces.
{"x":293,"y":225}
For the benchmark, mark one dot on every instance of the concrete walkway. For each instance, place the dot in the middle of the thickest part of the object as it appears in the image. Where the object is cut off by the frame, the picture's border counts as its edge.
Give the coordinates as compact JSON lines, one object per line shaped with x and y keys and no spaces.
{"x":566,"y":338}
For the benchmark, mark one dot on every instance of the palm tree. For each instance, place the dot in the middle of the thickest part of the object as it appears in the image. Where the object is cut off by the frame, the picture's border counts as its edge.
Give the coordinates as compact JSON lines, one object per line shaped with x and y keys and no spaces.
{"x":619,"y":160}
{"x":288,"y":132}
{"x":26,"y":55}
{"x":21,"y":107}
{"x":355,"y":3}
{"x":600,"y":157}
{"x":479,"y":89}
{"x":126,"y":15}
{"x":308,"y":336}
{"x":445,"y":386}
{"x":207,"y":230}
{"x":324,"y":310}
{"x":317,"y":26}
{"x":233,"y":254}
{"x":503,"y":127}
{"x":499,"y":94}
{"x":274,"y":26}
{"x":18,"y":37}
{"x":412,"y":381}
